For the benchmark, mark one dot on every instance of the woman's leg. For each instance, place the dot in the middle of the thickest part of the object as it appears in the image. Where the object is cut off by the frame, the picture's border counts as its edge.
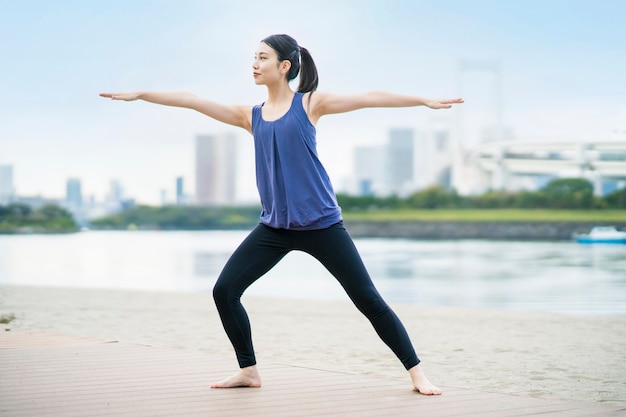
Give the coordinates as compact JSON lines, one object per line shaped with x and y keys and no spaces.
{"x":256,"y":255}
{"x":334,"y":248}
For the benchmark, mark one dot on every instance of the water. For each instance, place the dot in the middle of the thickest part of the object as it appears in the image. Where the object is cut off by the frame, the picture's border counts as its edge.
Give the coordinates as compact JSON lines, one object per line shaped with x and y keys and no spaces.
{"x":562,"y":277}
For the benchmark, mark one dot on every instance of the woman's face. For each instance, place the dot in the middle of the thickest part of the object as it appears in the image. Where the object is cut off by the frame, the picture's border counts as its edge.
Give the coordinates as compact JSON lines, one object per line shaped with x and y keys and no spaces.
{"x":266,"y":68}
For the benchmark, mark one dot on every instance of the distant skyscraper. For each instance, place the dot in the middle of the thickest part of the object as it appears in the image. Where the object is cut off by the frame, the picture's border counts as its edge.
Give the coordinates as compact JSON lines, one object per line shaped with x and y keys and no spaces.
{"x":180,"y":191}
{"x":7,"y":192}
{"x":368,"y":169}
{"x":116,"y":192}
{"x":73,"y":194}
{"x":433,"y":158}
{"x":115,"y":200}
{"x":215,"y":169}
{"x":400,"y":160}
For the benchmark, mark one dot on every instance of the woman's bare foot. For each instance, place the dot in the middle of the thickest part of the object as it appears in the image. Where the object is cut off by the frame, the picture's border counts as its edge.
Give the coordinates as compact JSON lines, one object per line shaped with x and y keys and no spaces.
{"x":421,"y":384}
{"x":246,"y":377}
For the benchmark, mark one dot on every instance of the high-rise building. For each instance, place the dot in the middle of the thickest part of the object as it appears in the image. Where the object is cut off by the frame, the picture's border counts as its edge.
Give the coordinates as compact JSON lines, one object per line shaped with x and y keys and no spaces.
{"x":369,"y":169}
{"x":433,"y":158}
{"x":7,"y":192}
{"x":216,"y":169}
{"x":180,"y":191}
{"x":115,"y":200}
{"x":399,"y":166}
{"x":116,"y":192}
{"x":73,"y":194}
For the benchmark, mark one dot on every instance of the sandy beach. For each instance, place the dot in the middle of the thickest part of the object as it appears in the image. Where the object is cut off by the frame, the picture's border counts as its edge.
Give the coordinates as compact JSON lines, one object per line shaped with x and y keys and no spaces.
{"x":580,"y":358}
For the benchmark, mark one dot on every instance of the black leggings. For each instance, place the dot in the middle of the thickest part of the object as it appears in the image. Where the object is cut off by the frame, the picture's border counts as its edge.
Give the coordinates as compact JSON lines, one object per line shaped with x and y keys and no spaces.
{"x":333,"y":247}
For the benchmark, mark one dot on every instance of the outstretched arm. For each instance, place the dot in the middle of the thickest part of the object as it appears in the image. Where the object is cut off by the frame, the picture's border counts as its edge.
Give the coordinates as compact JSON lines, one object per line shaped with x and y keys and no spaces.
{"x":239,"y":116}
{"x":327,"y":103}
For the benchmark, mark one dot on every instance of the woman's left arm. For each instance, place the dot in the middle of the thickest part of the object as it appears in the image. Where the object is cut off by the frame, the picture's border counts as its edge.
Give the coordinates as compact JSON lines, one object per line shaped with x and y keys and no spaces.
{"x":327,"y":103}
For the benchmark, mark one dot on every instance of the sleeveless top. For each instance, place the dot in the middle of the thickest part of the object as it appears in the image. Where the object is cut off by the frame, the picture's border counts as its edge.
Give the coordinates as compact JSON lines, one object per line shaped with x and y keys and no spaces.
{"x":295,"y":190}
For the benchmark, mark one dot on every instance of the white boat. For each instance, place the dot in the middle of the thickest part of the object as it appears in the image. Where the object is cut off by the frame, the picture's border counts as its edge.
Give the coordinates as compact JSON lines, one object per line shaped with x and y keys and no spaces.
{"x":602,"y":234}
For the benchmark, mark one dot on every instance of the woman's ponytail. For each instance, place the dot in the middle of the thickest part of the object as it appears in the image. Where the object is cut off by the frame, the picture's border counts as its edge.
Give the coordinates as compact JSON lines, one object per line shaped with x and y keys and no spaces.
{"x":308,"y":72}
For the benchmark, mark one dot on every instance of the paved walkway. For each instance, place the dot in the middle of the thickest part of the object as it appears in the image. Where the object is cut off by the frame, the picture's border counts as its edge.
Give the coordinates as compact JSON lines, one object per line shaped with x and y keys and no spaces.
{"x":45,"y":374}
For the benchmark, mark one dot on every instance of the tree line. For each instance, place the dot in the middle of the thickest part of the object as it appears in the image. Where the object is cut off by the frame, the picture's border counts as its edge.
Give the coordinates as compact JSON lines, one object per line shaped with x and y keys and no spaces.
{"x":180,"y":218}
{"x":563,"y":193}
{"x":19,"y":217}
{"x":572,"y":193}
{"x":568,"y":193}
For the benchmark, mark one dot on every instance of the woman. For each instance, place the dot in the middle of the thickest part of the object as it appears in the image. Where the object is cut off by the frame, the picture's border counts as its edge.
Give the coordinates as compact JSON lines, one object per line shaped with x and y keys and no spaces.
{"x":300,"y":210}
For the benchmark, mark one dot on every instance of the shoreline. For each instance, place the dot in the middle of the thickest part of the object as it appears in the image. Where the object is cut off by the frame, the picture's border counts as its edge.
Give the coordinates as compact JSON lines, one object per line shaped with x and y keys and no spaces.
{"x":546,"y":355}
{"x":484,"y":230}
{"x":410,"y":229}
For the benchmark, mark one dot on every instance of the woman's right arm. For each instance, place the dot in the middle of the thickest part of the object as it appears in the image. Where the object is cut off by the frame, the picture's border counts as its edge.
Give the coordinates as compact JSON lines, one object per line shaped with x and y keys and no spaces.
{"x":236,"y":115}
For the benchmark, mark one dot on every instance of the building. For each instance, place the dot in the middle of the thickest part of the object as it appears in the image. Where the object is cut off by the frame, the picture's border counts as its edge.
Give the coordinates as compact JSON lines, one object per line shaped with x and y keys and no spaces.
{"x":369,"y":169}
{"x":433,"y":158}
{"x":386,"y":169}
{"x":516,"y":165}
{"x":399,"y":162}
{"x":180,"y":191}
{"x":116,"y":192}
{"x":115,"y":200}
{"x":216,"y":167}
{"x":73,"y":194}
{"x":74,"y":201}
{"x":7,"y":191}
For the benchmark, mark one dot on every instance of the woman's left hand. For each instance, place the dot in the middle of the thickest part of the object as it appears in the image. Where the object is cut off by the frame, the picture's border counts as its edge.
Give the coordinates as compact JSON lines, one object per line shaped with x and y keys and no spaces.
{"x":443,"y":104}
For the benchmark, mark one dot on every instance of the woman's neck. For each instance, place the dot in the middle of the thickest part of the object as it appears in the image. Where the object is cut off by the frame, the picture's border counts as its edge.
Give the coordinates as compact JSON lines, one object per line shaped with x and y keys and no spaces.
{"x":278,"y":94}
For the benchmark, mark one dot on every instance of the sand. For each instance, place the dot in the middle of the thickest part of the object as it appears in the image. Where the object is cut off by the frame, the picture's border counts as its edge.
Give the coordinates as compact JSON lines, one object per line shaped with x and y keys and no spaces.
{"x":581,"y":358}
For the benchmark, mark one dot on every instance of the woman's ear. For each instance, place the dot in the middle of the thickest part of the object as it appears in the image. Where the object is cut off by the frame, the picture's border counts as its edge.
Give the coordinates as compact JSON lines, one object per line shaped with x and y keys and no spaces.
{"x":285,"y":66}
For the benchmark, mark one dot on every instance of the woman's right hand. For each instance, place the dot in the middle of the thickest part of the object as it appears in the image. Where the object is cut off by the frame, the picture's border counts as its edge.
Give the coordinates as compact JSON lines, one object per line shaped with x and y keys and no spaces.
{"x":240,"y":116}
{"x":121,"y":96}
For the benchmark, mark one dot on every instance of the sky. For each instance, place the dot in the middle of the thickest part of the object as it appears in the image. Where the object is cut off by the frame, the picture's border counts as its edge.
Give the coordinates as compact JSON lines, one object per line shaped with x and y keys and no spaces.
{"x":562,"y":77}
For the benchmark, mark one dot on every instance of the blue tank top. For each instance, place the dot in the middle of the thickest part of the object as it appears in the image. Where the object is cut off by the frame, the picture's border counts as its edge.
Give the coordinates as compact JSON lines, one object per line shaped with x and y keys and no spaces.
{"x":295,"y":190}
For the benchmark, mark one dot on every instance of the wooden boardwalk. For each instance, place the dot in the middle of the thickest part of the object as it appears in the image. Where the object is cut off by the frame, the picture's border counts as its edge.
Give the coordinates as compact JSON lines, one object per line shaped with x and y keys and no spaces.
{"x":59,"y":375}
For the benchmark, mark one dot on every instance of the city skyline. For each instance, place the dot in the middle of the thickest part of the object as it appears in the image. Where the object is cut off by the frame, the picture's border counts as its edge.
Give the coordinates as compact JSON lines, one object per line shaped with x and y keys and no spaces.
{"x":560,"y":66}
{"x":425,"y":161}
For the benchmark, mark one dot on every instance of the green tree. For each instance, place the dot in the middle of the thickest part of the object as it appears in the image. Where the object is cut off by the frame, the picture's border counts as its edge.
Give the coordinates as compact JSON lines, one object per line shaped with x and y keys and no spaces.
{"x":493,"y":200}
{"x":367,"y":202}
{"x":433,"y":198}
{"x":50,"y":218}
{"x":17,"y":210}
{"x":569,"y":193}
{"x":530,"y":200}
{"x":52,"y":211}
{"x":183,"y":218}
{"x":616,"y":199}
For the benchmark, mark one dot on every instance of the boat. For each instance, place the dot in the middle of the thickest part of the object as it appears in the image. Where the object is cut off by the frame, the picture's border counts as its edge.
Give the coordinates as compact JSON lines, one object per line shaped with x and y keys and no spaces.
{"x":602,"y":234}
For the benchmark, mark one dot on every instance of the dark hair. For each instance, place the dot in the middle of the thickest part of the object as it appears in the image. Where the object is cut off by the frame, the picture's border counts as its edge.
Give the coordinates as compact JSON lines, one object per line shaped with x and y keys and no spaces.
{"x":301,"y":61}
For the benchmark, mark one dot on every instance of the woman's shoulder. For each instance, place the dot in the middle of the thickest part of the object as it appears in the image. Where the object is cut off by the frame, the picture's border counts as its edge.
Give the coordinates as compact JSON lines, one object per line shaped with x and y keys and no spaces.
{"x":312,"y":102}
{"x":256,"y":109}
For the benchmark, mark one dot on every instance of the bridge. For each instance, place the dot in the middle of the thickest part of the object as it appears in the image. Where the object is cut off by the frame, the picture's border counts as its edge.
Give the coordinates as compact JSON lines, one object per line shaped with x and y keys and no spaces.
{"x":505,"y":163}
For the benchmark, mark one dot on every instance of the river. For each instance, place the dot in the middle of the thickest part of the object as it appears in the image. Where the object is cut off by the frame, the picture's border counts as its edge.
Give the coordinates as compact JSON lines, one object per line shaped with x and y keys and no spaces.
{"x":548,"y":276}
